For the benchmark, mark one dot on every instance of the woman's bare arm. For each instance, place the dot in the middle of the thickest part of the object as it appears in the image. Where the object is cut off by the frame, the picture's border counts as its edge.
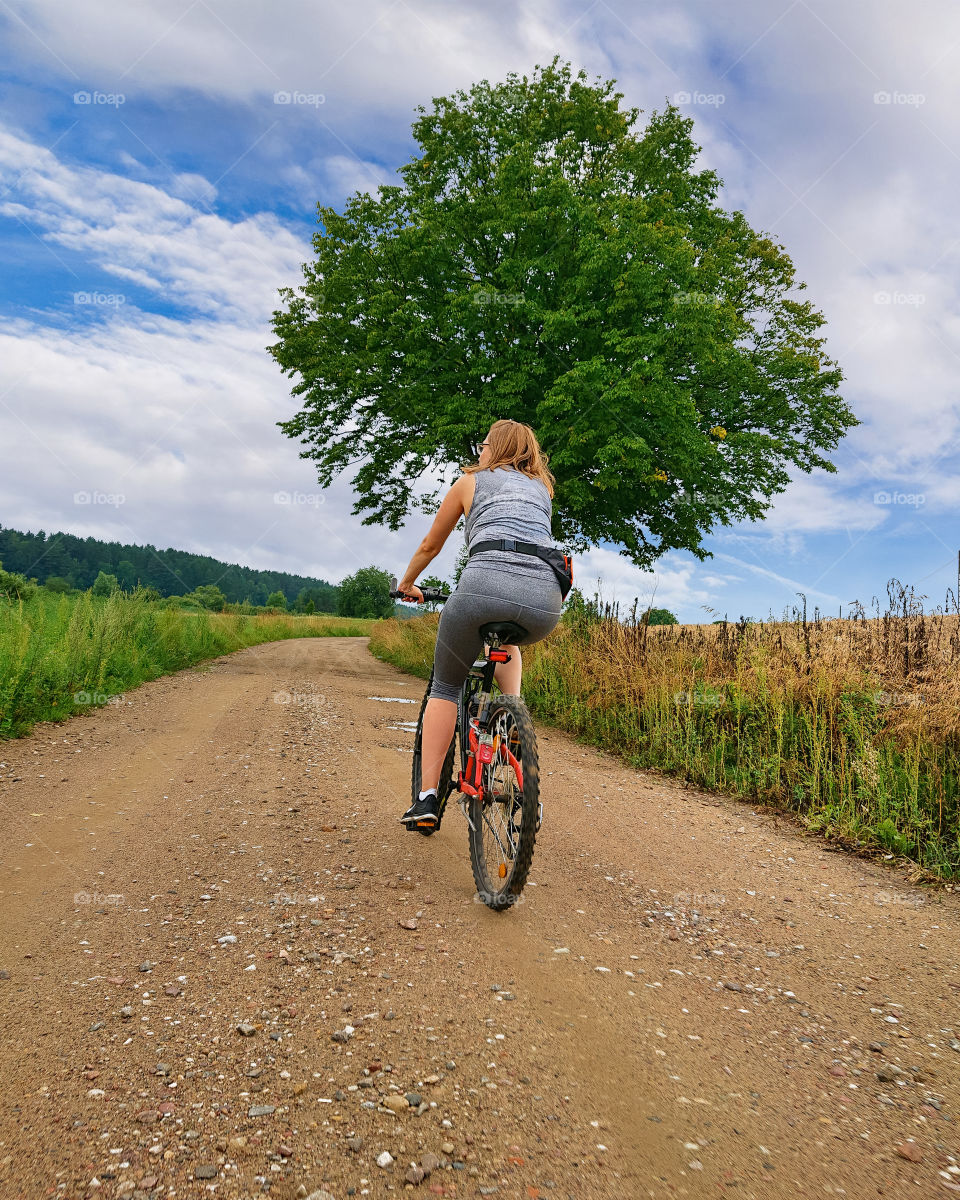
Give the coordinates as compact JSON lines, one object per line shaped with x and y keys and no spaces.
{"x":449,"y":513}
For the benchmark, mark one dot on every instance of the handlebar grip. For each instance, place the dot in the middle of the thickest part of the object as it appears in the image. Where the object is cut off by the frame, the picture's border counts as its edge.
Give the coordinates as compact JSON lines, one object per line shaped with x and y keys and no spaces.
{"x":433,"y":595}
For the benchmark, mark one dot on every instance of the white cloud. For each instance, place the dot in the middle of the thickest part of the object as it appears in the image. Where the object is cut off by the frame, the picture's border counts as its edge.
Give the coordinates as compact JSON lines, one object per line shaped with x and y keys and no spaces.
{"x":149,"y":238}
{"x":811,"y":505}
{"x":193,"y":188}
{"x":861,"y":194}
{"x":672,"y":585}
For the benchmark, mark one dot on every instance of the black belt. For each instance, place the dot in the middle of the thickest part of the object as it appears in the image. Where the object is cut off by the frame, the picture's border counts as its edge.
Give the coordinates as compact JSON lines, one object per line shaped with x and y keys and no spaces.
{"x":513,"y":546}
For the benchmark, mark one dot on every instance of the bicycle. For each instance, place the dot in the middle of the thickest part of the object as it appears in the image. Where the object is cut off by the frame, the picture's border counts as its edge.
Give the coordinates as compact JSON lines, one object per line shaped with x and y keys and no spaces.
{"x":498,"y":780}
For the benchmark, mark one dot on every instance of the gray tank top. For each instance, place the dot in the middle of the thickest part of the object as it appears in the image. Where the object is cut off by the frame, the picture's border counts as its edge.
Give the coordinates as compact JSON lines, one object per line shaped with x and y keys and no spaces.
{"x":509,"y":504}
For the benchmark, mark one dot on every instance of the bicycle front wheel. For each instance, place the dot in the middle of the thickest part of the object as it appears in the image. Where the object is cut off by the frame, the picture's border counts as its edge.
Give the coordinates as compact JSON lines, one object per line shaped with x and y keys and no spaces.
{"x":503,"y":825}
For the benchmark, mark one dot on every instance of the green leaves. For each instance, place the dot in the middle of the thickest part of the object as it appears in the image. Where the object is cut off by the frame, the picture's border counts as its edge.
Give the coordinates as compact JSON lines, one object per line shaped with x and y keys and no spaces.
{"x":366,"y":594}
{"x":544,"y":262}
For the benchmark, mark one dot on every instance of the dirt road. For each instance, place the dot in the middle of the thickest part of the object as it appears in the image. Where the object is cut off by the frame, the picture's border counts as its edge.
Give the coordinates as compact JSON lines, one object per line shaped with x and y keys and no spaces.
{"x":207,"y":991}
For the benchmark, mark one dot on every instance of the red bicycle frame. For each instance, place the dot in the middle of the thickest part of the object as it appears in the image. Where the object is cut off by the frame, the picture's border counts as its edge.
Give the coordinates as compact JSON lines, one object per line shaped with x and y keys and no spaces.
{"x":483,"y":746}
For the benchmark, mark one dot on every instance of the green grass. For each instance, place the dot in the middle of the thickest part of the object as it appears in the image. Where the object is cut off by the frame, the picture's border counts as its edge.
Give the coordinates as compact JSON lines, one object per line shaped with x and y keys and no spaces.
{"x":62,"y":654}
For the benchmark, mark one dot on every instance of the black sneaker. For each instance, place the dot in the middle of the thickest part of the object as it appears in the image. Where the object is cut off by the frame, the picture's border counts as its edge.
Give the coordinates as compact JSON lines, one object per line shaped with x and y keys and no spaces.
{"x":423,"y":814}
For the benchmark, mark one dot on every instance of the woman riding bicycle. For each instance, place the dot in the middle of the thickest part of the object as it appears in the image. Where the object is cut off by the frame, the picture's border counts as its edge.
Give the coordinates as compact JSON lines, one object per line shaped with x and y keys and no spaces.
{"x":506,"y":494}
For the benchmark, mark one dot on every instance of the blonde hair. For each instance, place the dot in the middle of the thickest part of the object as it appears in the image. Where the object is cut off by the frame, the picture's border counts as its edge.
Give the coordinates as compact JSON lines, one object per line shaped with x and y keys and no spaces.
{"x":513,"y":444}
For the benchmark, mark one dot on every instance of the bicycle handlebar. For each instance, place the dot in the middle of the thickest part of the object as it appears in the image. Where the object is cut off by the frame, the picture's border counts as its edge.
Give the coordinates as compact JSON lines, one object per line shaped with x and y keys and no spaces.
{"x":432,"y":595}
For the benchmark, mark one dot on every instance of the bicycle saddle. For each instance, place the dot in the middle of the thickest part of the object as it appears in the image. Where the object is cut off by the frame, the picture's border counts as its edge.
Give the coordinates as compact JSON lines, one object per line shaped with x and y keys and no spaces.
{"x":507,"y":631}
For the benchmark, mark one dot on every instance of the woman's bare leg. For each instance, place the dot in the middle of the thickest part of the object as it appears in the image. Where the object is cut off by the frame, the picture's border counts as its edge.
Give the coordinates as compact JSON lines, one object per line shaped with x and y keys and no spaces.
{"x":508,"y":674}
{"x":439,"y":723}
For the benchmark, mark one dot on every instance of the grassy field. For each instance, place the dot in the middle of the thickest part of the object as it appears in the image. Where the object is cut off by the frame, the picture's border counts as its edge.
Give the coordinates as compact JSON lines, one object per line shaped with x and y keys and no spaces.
{"x":62,"y":654}
{"x":854,"y":724}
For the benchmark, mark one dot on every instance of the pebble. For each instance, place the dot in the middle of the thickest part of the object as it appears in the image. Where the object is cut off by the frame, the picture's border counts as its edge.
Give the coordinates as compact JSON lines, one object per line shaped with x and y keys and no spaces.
{"x":145,"y":966}
{"x":246,"y":1030}
{"x":126,"y":1012}
{"x":731,"y":987}
{"x":323,"y":1195}
{"x":396,"y":1103}
{"x":413,"y":1099}
{"x":207,"y":1171}
{"x":97,"y":1025}
{"x":385,"y":1159}
{"x":429,"y":1163}
{"x":260,"y":1110}
{"x":446,"y":1147}
{"x":228,"y":939}
{"x":876,"y":1047}
{"x":355,"y":1143}
{"x":343,"y":1035}
{"x":911,"y":1151}
{"x":415,"y":1175}
{"x":408,"y":923}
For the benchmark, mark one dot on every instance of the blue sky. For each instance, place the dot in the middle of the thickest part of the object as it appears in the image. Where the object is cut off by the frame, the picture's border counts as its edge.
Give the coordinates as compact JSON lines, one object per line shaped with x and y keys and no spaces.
{"x":155,"y":192}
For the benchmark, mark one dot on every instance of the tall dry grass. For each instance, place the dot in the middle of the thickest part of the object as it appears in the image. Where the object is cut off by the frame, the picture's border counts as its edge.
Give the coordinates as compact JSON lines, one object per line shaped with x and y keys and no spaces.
{"x":853,"y":723}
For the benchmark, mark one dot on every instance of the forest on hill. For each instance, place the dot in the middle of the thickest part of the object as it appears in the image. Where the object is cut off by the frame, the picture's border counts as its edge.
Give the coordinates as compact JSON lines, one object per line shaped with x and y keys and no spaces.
{"x":75,"y":562}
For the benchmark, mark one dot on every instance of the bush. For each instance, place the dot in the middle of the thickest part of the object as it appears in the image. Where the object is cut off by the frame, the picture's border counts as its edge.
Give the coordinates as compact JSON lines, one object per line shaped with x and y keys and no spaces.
{"x":659,"y":616}
{"x":15,"y":586}
{"x":105,"y":585}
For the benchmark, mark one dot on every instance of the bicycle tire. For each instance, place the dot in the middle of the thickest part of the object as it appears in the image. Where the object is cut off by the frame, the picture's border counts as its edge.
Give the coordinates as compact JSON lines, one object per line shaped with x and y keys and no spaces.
{"x":500,"y":882}
{"x":445,"y":783}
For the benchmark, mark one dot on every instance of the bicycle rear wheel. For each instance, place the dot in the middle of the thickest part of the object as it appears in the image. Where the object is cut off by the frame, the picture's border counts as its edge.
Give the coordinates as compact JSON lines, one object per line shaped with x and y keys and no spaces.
{"x":445,"y":783}
{"x":503,"y":826}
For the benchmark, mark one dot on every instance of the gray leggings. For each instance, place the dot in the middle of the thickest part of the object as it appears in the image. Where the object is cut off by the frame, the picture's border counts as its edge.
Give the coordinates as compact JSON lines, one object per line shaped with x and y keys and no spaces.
{"x":482,"y":595}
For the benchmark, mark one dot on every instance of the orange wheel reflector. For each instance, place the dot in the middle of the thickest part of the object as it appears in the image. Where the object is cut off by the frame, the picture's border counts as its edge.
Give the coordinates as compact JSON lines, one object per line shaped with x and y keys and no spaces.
{"x":503,"y":870}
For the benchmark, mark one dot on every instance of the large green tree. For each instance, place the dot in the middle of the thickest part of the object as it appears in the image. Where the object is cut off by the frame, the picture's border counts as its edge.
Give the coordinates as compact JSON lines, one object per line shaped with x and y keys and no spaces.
{"x":365,"y":594}
{"x":545,"y":261}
